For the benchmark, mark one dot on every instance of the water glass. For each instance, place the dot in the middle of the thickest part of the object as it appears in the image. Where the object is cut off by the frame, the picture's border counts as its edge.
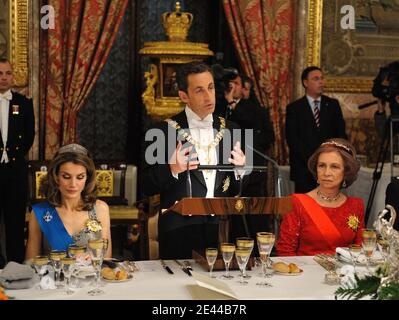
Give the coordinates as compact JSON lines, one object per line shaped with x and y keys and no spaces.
{"x":96,"y":251}
{"x":68,"y":267}
{"x":40,"y":264}
{"x":55,"y":257}
{"x":248,"y":243}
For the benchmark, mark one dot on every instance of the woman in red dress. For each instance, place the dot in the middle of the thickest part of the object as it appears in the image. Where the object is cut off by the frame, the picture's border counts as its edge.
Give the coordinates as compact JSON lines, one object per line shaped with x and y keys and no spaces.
{"x":324,"y":218}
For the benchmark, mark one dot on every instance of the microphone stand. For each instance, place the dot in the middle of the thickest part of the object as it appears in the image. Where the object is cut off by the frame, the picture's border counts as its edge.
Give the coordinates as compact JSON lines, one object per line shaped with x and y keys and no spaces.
{"x":277,"y":184}
{"x":189,"y":189}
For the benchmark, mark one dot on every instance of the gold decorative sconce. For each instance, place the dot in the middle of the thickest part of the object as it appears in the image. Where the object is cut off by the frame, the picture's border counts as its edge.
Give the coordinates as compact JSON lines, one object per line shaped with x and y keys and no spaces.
{"x":160,"y":96}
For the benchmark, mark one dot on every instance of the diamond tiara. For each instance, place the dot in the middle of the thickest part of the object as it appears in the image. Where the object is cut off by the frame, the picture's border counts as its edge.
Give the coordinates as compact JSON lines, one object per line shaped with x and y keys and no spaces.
{"x":338,"y":145}
{"x":73,"y":148}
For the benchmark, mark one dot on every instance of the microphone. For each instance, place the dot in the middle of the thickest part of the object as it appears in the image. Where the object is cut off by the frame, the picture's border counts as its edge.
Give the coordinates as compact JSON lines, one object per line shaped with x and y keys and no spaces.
{"x":368,"y":104}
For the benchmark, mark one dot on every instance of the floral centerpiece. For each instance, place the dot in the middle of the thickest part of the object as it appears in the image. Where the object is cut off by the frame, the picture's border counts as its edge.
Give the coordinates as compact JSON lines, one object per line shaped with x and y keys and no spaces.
{"x":383,"y":284}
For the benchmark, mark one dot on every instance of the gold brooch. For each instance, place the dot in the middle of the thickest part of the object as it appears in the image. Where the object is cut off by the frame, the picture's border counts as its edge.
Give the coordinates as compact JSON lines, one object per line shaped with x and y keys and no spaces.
{"x":353,"y":222}
{"x":93,"y":225}
{"x":226,"y":184}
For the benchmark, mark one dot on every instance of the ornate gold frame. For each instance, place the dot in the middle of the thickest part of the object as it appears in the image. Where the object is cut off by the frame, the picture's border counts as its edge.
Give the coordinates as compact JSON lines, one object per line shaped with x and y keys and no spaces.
{"x":18,"y":37}
{"x":313,"y":54}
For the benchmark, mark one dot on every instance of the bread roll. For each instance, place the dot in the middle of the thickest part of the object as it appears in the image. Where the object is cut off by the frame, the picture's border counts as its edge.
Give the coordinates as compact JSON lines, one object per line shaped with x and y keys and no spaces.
{"x":294,"y":268}
{"x":108,"y":273}
{"x":281,"y":267}
{"x":121,"y":275}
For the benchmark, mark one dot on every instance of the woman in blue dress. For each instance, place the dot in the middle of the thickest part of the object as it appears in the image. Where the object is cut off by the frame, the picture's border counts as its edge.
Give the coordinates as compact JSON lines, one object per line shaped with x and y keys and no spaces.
{"x":71,"y":213}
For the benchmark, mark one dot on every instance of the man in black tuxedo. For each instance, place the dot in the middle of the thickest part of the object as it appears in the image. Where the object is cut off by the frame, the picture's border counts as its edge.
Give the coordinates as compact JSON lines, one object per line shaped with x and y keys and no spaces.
{"x":17,"y":126}
{"x":309,"y":121}
{"x":205,"y":141}
{"x":248,"y":114}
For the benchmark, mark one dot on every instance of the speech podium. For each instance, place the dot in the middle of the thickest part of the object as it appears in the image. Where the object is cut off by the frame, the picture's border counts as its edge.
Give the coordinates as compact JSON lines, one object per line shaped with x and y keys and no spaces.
{"x":224,"y":207}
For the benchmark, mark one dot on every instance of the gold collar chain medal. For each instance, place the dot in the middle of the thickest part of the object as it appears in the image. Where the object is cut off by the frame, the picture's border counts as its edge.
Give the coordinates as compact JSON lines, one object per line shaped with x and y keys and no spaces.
{"x":188,"y":137}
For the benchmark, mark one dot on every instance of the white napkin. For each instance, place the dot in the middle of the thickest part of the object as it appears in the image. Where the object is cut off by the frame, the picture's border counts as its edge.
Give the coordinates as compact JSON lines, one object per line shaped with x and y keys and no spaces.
{"x":48,"y":282}
{"x":347,"y":273}
{"x":344,"y":255}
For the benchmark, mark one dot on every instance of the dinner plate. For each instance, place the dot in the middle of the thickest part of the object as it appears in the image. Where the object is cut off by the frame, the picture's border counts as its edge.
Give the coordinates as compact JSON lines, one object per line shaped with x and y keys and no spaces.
{"x":288,"y":273}
{"x":129,"y":277}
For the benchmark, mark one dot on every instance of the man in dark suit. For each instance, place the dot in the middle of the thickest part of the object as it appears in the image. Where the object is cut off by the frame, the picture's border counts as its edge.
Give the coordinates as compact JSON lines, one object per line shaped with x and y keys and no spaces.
{"x":309,"y":121}
{"x":208,"y":143}
{"x":17,"y":126}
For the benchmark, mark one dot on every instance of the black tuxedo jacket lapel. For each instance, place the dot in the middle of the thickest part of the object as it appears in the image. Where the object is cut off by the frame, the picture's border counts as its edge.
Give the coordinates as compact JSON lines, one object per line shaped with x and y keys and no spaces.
{"x":11,"y":120}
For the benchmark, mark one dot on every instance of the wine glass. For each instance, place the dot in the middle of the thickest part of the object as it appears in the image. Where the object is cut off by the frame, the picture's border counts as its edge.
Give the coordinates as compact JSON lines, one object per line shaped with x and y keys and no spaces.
{"x":244,"y":242}
{"x":74,"y":251}
{"x":369,"y":241}
{"x":227,"y":250}
{"x":211,"y":256}
{"x":40,"y":264}
{"x":242,"y":256}
{"x":55,"y":257}
{"x":68,"y":266}
{"x":265,"y":245}
{"x":105,"y":246}
{"x":355,"y":250}
{"x":96,"y":251}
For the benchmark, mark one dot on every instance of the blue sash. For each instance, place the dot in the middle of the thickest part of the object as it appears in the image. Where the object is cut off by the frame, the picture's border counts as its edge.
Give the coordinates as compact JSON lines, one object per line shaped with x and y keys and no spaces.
{"x":52,"y":227}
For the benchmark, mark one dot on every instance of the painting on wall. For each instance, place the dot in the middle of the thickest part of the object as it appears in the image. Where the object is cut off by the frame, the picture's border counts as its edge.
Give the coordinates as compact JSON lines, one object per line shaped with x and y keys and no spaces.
{"x":14,"y":35}
{"x":351,"y":58}
{"x":4,"y":28}
{"x":169,"y":83}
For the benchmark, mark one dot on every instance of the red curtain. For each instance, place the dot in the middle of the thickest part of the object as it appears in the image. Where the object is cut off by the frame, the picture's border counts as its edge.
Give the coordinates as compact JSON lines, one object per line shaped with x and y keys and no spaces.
{"x":75,"y":53}
{"x":263,"y":32}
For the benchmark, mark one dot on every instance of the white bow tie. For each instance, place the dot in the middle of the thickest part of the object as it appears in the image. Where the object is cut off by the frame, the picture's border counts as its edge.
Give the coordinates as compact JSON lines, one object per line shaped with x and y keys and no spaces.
{"x":7,"y":95}
{"x":202,"y":124}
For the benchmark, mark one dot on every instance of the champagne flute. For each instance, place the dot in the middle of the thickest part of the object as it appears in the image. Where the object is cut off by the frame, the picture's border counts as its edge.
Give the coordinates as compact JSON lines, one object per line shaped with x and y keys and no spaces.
{"x":55,"y":257}
{"x":40,"y":263}
{"x":68,"y":266}
{"x":227,"y":250}
{"x":355,"y":250}
{"x":244,"y":242}
{"x":211,"y":256}
{"x":265,"y":245}
{"x":96,"y":250}
{"x":242,"y":256}
{"x":369,"y":241}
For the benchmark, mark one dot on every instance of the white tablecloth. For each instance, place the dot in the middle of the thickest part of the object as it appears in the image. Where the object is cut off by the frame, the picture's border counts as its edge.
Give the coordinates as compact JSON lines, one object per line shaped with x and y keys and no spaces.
{"x":154,"y":283}
{"x":360,"y":188}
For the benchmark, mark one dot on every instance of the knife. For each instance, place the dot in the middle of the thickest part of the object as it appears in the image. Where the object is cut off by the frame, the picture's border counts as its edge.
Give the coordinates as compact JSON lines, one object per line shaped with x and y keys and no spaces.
{"x":184,"y":268}
{"x":169,"y":270}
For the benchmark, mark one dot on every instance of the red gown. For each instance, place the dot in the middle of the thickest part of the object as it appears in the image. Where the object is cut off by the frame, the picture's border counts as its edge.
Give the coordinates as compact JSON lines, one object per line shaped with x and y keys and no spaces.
{"x":300,"y":236}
